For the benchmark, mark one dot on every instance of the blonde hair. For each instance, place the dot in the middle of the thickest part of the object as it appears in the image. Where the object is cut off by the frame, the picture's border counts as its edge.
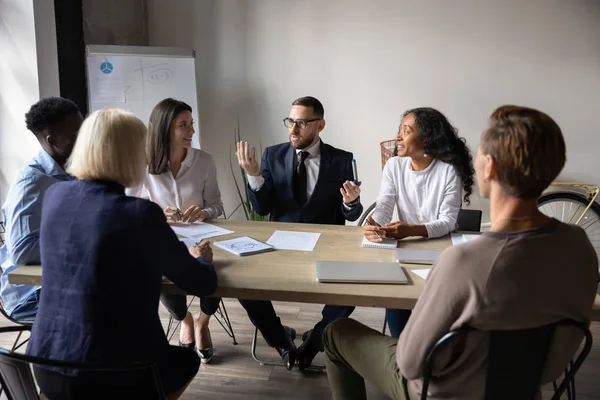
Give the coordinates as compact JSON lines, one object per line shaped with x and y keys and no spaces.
{"x":110,"y":146}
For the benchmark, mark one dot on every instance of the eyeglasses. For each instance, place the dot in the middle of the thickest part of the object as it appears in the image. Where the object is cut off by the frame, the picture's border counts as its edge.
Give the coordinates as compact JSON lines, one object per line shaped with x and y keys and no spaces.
{"x":300,"y":123}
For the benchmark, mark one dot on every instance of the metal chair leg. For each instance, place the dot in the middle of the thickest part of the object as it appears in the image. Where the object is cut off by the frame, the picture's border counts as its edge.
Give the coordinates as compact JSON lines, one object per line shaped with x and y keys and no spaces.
{"x":16,"y":344}
{"x":275,"y":362}
{"x":226,"y":323}
{"x":170,"y":324}
{"x":572,"y":382}
{"x":384,"y":325}
{"x":571,"y":388}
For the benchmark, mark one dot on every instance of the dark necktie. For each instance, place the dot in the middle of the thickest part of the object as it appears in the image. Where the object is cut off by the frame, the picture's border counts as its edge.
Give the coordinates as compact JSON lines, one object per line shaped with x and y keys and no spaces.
{"x":300,"y":180}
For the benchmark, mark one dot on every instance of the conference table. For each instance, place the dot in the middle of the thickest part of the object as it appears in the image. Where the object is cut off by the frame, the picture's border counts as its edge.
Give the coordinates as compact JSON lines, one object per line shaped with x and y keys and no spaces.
{"x":288,"y":275}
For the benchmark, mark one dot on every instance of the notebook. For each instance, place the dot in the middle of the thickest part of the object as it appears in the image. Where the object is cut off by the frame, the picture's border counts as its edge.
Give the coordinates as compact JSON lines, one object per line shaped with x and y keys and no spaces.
{"x":244,"y":246}
{"x":384,"y":244}
{"x":360,"y":272}
{"x":416,"y":256}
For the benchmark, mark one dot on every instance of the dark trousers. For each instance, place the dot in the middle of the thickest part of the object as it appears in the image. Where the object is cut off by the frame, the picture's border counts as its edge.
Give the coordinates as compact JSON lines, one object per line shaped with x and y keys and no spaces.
{"x":263,"y":316}
{"x":178,"y":366}
{"x":176,"y":304}
{"x":397,"y":320}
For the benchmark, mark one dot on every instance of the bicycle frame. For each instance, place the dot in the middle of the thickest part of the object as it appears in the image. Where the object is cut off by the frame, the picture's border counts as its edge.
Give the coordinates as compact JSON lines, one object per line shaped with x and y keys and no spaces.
{"x":591,"y":189}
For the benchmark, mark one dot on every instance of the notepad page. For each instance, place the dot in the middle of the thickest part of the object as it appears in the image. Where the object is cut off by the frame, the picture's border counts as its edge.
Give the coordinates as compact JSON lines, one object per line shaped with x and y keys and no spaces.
{"x":384,"y":244}
{"x":243,"y":246}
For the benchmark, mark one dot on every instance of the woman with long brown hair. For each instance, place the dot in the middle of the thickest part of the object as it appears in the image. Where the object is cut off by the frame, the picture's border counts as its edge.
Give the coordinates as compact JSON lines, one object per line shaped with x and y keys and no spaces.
{"x":183,"y":181}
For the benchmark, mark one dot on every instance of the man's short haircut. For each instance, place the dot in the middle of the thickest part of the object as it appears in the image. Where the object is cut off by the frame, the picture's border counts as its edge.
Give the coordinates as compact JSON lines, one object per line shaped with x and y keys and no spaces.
{"x":309,"y":101}
{"x":48,"y":112}
{"x":528,"y":147}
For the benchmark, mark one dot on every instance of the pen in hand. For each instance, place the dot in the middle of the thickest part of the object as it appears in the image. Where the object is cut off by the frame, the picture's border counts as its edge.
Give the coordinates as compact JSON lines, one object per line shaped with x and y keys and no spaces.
{"x":370,"y":222}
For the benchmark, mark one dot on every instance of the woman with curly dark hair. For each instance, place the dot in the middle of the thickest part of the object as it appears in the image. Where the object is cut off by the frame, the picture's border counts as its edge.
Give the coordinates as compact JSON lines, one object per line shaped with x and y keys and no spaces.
{"x":427,"y":181}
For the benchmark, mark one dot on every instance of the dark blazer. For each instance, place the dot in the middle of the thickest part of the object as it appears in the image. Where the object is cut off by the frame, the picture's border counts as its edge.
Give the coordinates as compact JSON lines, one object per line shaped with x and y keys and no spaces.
{"x":103,"y":257}
{"x":325,"y":206}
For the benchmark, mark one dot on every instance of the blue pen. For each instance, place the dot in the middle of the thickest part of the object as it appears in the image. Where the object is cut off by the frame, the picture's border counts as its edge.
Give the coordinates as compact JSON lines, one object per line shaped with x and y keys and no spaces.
{"x":355,"y":171}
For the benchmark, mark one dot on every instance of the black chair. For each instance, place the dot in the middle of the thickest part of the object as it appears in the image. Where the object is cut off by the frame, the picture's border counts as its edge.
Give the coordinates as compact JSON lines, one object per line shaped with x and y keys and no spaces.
{"x":363,"y":218}
{"x":2,"y":231}
{"x":469,"y":220}
{"x":17,"y":378}
{"x":516,"y":361}
{"x":16,"y":344}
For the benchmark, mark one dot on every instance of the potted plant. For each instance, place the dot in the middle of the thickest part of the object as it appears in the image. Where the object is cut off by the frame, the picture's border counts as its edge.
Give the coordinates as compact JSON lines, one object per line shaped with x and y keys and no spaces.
{"x":250,"y":213}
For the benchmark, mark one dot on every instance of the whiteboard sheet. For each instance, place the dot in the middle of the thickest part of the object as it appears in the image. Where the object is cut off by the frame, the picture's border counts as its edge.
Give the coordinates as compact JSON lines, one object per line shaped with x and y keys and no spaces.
{"x":138,"y":82}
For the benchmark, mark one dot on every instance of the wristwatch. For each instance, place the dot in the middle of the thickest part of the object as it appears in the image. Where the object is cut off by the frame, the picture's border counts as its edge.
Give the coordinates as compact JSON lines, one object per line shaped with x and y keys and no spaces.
{"x":352,"y":204}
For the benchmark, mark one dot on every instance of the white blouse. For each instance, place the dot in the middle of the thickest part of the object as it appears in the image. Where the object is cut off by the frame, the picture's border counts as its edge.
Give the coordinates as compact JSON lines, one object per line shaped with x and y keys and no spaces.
{"x":431,"y":197}
{"x":195,"y":185}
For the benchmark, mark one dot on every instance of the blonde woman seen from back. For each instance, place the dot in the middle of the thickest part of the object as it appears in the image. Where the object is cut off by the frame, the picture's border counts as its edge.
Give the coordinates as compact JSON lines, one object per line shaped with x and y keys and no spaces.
{"x":104,"y":255}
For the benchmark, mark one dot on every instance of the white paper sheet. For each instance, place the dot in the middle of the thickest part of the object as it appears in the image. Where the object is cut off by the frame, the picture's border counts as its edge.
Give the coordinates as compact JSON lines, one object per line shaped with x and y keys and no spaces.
{"x":244,"y":246}
{"x":423,"y":273}
{"x":199,"y":231}
{"x":189,"y":242}
{"x":458,"y":238}
{"x":106,"y":80}
{"x":291,"y":240}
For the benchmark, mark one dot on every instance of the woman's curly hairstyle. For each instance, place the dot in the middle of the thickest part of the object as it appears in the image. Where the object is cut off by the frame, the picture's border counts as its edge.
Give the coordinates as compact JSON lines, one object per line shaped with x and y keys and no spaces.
{"x":440,"y":140}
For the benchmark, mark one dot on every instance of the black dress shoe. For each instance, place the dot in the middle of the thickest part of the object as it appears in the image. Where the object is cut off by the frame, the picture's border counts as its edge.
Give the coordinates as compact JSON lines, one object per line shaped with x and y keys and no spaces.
{"x":288,"y":356}
{"x":307,"y":351}
{"x":190,"y":346}
{"x":288,"y":352}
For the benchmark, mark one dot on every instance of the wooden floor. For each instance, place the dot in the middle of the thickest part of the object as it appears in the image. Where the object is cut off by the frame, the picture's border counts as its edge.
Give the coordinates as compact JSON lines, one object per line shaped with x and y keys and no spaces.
{"x":233,"y":374}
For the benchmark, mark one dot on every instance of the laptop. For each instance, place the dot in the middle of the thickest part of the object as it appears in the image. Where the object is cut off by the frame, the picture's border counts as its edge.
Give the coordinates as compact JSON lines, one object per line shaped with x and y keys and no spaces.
{"x":416,"y":256}
{"x":360,"y":272}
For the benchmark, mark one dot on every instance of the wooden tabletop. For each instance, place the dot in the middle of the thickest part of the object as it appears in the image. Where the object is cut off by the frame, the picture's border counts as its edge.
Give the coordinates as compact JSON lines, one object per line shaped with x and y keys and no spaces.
{"x":285,"y":275}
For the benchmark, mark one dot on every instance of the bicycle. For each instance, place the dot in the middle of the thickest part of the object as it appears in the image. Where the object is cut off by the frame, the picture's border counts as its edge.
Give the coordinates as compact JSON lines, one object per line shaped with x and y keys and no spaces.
{"x":573,"y":207}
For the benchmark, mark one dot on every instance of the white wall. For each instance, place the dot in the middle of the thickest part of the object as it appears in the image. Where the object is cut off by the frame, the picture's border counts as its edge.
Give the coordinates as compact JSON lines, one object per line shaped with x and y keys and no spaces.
{"x":26,"y":74}
{"x":369,"y":61}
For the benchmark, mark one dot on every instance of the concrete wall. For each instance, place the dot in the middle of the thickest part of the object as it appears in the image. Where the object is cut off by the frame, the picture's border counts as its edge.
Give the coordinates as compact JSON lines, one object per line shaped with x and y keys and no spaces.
{"x":370,"y":61}
{"x":28,"y":70}
{"x":115,"y":22}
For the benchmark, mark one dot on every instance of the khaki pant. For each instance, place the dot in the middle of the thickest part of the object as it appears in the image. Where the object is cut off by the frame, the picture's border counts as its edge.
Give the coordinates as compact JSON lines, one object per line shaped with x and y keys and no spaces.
{"x":356,"y":352}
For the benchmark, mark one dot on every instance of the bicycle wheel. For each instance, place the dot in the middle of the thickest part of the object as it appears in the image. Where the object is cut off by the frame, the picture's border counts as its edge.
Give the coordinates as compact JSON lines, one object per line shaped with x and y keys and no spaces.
{"x":568,"y":207}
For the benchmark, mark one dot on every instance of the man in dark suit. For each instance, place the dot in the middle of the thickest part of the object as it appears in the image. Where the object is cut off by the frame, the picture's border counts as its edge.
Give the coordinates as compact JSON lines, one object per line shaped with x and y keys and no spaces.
{"x":304,"y":180}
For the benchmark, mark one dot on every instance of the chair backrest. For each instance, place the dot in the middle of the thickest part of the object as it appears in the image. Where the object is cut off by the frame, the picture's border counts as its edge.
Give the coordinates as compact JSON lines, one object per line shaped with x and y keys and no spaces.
{"x":17,"y":378}
{"x":516,"y":360}
{"x":2,"y":231}
{"x":363,"y":218}
{"x":469,"y":220}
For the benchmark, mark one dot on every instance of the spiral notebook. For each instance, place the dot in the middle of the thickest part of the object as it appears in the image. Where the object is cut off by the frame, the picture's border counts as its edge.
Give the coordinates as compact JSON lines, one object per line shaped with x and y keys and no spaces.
{"x":389,"y":244}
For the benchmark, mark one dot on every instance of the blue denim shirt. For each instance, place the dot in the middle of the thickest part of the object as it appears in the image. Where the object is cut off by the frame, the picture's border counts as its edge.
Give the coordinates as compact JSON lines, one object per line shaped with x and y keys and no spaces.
{"x":22,"y":214}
